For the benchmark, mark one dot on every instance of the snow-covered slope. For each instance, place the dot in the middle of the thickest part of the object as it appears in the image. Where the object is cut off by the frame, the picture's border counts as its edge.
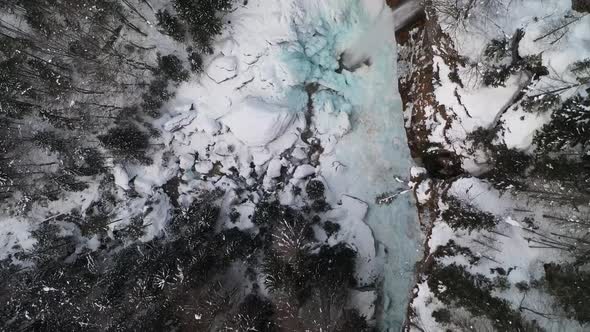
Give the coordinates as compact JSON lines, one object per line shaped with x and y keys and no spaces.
{"x":295,"y":91}
{"x":278,"y":88}
{"x":471,"y":131}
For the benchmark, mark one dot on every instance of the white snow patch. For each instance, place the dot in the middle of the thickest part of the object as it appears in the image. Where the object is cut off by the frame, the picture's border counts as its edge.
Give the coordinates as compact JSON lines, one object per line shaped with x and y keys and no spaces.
{"x":303,"y":171}
{"x":336,"y":124}
{"x":186,"y":161}
{"x":179,"y":121}
{"x":423,"y":192}
{"x":354,"y":231}
{"x":511,"y":221}
{"x":202,"y":122}
{"x":257,"y":123}
{"x":274,"y":168}
{"x":121,"y":177}
{"x":520,"y":127}
{"x":223,"y":68}
{"x":15,"y":233}
{"x":204,"y":166}
{"x":441,"y":234}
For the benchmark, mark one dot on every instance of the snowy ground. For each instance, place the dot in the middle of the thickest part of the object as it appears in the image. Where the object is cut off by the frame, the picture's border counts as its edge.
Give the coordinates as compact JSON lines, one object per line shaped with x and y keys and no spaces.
{"x":484,"y":104}
{"x":295,"y":89}
{"x":513,"y":243}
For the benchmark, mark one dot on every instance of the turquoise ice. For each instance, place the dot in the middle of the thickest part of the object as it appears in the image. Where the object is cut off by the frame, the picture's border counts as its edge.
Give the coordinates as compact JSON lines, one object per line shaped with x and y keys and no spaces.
{"x":375,"y":152}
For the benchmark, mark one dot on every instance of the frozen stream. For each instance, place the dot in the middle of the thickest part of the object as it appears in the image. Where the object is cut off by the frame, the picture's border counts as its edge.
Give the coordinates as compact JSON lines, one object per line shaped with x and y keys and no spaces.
{"x":289,"y":71}
{"x":373,"y":156}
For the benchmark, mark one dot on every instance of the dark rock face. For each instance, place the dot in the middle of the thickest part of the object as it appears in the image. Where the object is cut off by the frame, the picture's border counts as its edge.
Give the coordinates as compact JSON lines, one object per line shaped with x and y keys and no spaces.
{"x":582,"y":6}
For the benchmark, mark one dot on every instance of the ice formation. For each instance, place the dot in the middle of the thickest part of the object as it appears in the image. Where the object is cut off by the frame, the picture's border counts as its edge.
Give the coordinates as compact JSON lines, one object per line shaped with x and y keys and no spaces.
{"x":295,"y":90}
{"x":291,"y":70}
{"x":365,"y":161}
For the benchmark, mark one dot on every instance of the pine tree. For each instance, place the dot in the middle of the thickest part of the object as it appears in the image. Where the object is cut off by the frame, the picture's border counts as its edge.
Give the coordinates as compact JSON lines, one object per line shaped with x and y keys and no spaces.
{"x":460,"y":215}
{"x":171,"y":67}
{"x":581,"y":6}
{"x":126,"y":141}
{"x":571,"y":287}
{"x":569,"y":127}
{"x":171,"y":25}
{"x":202,"y":19}
{"x":503,"y":60}
{"x":454,"y":285}
{"x":255,"y":313}
{"x":315,"y":189}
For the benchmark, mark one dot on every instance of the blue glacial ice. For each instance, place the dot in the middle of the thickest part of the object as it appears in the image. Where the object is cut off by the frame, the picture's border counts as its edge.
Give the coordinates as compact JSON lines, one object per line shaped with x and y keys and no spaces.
{"x":367,"y":160}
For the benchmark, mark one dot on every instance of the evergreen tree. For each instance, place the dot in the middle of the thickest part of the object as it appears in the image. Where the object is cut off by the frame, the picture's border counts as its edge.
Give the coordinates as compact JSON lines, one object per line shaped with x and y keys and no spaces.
{"x":460,"y":215}
{"x":156,"y":96}
{"x":581,"y":69}
{"x":569,"y":127}
{"x":172,"y":68}
{"x":195,"y":60}
{"x":503,"y":60}
{"x":255,"y":313}
{"x":171,"y":25}
{"x":126,"y":141}
{"x":571,"y":287}
{"x":542,"y":103}
{"x":315,"y":189}
{"x":454,"y":285}
{"x":202,"y":19}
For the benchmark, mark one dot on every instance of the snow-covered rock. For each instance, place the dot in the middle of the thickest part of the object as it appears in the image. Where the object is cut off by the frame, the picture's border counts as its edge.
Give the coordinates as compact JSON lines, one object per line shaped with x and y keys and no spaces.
{"x":179,"y":121}
{"x":336,"y":124}
{"x":246,"y":211}
{"x":299,"y":153}
{"x":15,"y":234}
{"x":274,"y":168}
{"x":226,"y":46}
{"x":121,"y":177}
{"x":303,"y":171}
{"x":423,"y":192}
{"x":204,"y":166}
{"x":223,"y":68}
{"x":179,"y":136}
{"x":416,"y":171}
{"x":202,"y":122}
{"x":186,"y":161}
{"x":261,"y":156}
{"x":257,"y":123}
